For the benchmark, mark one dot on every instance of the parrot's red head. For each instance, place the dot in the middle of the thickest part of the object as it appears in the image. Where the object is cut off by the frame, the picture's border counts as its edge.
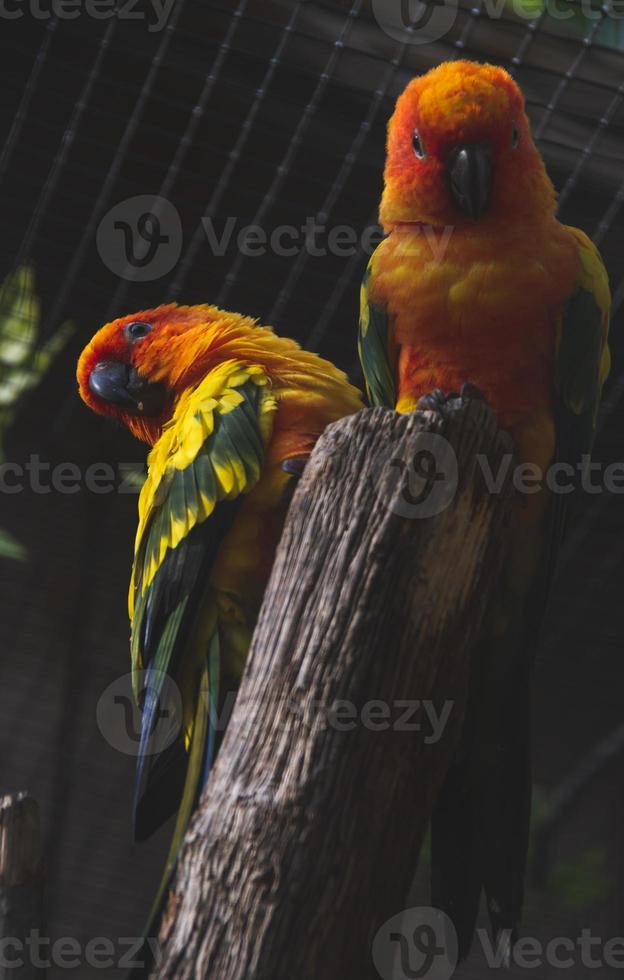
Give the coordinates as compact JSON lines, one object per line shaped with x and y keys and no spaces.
{"x":460,"y":150}
{"x":135,"y":367}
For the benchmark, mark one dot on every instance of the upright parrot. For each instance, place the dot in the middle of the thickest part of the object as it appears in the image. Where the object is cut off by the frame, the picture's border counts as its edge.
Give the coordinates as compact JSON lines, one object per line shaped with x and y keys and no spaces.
{"x":231,"y":412}
{"x":477,"y":282}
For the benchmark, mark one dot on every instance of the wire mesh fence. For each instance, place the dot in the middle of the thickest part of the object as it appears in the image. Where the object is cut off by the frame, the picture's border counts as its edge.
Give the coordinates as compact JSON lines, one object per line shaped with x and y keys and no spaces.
{"x":232,"y":153}
{"x":272,"y":114}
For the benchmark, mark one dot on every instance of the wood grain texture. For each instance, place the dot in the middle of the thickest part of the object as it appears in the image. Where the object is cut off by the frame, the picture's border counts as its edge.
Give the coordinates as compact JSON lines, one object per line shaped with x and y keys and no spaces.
{"x":21,"y":883}
{"x":308,"y":834}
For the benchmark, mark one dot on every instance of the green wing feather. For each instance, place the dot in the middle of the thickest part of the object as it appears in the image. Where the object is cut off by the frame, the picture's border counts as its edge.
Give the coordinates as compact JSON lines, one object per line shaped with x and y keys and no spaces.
{"x":208,"y":458}
{"x":581,"y":367}
{"x":374,"y":347}
{"x":195,"y":766}
{"x":481,"y":820}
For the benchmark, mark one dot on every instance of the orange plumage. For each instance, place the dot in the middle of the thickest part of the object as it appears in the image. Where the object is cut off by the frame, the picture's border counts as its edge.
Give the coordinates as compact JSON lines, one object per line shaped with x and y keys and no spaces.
{"x":459,"y":291}
{"x":231,"y":411}
{"x":478,"y":282}
{"x":457,"y":103}
{"x":186,"y":344}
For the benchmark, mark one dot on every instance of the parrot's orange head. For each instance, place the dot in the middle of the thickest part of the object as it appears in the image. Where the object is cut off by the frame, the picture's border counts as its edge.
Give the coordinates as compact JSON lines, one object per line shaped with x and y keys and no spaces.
{"x":460,"y":150}
{"x":134,"y":367}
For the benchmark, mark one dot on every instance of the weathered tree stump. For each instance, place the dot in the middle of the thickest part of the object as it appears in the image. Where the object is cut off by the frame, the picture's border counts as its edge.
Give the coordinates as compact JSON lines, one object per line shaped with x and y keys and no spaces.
{"x":307,"y":837}
{"x":21,"y":885}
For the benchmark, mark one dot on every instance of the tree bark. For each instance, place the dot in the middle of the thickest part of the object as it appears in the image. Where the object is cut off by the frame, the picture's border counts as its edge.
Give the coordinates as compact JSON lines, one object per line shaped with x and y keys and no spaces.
{"x":21,"y":884}
{"x":307,"y":837}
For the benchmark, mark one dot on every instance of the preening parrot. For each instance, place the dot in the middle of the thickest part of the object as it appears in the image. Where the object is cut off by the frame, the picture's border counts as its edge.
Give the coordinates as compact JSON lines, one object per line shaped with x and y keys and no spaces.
{"x":478,"y":282}
{"x":231,"y":412}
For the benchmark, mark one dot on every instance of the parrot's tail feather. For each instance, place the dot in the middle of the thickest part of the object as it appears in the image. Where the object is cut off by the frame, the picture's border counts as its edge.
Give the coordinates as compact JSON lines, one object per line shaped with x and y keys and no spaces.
{"x":480,"y":824}
{"x":197,"y":766}
{"x":161,"y":759}
{"x":295,"y":465}
{"x":157,"y":800}
{"x":507,"y":811}
{"x":455,"y":860}
{"x":213,"y":679}
{"x":159,"y":779}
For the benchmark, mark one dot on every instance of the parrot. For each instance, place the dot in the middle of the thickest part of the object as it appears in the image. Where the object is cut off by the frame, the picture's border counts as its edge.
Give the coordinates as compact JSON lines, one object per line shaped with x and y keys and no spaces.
{"x":478,"y":289}
{"x":231,"y":411}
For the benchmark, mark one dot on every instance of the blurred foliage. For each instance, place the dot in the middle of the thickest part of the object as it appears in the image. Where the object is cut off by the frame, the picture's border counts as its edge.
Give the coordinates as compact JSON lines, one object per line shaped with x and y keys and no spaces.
{"x":575,"y":883}
{"x":581,"y":881}
{"x":10,"y":547}
{"x":578,"y":16}
{"x":24,"y":360}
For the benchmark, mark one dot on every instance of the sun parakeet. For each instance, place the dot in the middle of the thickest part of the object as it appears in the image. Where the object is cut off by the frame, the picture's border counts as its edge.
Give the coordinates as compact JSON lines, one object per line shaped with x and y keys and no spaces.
{"x":231,"y":412}
{"x":478,"y":282}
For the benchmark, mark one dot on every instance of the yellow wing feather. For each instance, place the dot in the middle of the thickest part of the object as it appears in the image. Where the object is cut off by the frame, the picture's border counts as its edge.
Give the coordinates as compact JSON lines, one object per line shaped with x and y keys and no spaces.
{"x":192,"y":423}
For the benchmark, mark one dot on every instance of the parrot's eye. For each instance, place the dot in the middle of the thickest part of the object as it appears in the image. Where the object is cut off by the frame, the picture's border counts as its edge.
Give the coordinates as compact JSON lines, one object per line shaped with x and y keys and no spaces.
{"x":515,"y":137}
{"x":137,"y":330}
{"x":419,"y":149}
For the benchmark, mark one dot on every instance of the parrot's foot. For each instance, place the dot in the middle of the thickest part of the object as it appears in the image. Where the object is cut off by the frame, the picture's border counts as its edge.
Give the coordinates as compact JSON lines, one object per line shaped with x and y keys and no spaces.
{"x":295,"y":466}
{"x":437,"y":400}
{"x":468,"y":391}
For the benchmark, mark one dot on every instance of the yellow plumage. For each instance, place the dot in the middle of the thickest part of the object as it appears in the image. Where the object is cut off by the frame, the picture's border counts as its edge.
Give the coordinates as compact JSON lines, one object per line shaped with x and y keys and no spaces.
{"x":236,"y":403}
{"x":191,"y":424}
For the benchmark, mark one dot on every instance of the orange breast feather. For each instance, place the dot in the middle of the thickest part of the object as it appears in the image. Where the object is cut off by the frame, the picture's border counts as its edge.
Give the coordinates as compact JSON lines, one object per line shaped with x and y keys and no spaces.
{"x":476,"y":306}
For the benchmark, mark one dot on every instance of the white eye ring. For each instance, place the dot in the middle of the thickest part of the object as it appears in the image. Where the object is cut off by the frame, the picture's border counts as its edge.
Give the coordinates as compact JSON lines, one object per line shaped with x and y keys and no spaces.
{"x":418,"y":148}
{"x":137,"y":330}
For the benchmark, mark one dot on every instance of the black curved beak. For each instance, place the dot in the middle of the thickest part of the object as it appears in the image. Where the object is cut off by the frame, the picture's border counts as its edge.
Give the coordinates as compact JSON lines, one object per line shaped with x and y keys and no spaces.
{"x":122,"y":385}
{"x":471,"y":177}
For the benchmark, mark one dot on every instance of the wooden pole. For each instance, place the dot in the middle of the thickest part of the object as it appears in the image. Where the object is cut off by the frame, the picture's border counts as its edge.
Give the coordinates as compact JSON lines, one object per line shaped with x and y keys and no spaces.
{"x":308,"y":835}
{"x":21,"y":885}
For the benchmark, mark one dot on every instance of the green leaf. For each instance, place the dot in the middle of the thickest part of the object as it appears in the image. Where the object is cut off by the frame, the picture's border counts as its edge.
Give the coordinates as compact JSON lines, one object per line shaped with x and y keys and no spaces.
{"x":10,"y":547}
{"x":24,"y":359}
{"x":19,"y":317}
{"x":581,"y":882}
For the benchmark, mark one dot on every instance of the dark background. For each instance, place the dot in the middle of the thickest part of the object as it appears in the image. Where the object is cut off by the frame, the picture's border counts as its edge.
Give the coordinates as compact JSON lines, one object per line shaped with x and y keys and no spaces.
{"x":96,"y":112}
